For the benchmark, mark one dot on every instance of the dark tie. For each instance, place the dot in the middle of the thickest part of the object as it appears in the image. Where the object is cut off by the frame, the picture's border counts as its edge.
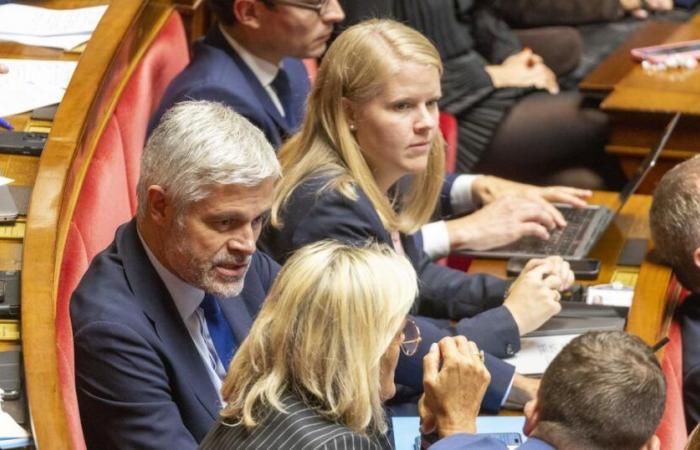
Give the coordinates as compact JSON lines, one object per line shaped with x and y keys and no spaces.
{"x":284,"y":92}
{"x":219,"y":329}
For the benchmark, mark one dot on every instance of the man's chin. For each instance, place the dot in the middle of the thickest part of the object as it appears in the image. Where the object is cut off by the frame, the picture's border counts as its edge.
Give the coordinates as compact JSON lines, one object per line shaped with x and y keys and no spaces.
{"x":224,"y":289}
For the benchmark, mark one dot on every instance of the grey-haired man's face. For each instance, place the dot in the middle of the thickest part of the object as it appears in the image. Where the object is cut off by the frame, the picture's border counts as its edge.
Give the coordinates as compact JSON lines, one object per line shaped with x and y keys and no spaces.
{"x":210,"y":247}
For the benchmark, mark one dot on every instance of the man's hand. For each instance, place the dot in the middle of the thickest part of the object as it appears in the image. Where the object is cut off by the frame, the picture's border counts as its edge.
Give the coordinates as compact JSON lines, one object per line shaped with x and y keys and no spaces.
{"x":503,"y":221}
{"x":640,"y":9}
{"x":534,"y":296}
{"x":486,"y":189}
{"x":523,"y":69}
{"x":524,"y":389}
{"x":452,"y":391}
{"x":4,"y":68}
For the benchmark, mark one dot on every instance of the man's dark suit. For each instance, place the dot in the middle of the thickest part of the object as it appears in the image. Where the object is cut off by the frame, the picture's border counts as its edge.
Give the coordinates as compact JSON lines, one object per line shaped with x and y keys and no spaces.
{"x":140,"y":381}
{"x":218,"y":73}
{"x":690,"y":323}
{"x":311,"y":215}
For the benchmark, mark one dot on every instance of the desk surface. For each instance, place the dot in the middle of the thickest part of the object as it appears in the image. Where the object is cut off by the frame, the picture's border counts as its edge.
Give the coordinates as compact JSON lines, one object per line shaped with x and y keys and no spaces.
{"x":669,"y":91}
{"x":649,"y":313}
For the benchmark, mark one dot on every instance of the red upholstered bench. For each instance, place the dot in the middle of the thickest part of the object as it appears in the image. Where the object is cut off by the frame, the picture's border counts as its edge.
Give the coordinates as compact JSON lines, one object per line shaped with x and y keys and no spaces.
{"x":107,"y":188}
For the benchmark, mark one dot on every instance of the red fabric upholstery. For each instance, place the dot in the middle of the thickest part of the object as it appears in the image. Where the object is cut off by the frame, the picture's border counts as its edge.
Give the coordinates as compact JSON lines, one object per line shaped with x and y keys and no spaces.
{"x":312,"y":68}
{"x":672,"y":431}
{"x":448,"y":126}
{"x":107,"y":196}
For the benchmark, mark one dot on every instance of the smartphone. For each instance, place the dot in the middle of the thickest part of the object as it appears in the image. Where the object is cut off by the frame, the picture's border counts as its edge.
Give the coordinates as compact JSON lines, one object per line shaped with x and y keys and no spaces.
{"x":584,"y":269}
{"x":658,"y":53}
{"x":22,"y":143}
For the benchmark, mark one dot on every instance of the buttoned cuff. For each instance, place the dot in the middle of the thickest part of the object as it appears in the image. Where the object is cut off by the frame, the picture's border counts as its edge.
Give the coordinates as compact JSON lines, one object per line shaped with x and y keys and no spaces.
{"x":461,"y":198}
{"x":436,"y":240}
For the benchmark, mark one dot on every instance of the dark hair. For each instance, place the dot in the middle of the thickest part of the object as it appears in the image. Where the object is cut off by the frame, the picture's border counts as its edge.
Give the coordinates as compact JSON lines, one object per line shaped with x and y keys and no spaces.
{"x":223,"y":10}
{"x":674,"y":220}
{"x":605,"y":390}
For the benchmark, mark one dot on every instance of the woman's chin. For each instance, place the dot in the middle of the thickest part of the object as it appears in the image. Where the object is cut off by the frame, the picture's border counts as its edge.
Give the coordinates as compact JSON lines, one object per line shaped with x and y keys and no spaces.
{"x":388,"y":392}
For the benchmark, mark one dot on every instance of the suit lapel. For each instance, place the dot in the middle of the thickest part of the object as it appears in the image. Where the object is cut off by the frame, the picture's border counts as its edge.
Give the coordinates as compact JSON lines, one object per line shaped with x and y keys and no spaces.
{"x":160,"y":309}
{"x":217,"y":39}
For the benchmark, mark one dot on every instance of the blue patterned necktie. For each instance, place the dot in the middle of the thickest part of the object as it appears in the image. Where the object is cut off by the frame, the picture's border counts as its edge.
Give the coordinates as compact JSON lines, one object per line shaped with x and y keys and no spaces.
{"x":283,"y":89}
{"x":219,"y":329}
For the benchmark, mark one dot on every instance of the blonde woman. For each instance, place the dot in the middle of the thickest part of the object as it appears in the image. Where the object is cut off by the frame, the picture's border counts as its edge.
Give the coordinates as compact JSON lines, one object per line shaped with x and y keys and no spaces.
{"x":320,"y":358}
{"x":368,"y":165}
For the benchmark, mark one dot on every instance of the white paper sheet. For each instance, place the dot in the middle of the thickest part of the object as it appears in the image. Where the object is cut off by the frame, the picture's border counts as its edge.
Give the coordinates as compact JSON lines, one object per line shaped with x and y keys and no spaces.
{"x":34,"y":21}
{"x":17,"y":97}
{"x":537,"y":352}
{"x":61,"y":42}
{"x":41,"y":72}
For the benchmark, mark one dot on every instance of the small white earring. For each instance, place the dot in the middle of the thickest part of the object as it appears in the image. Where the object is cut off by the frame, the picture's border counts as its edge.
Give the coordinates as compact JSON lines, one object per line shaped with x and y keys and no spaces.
{"x":352,"y":127}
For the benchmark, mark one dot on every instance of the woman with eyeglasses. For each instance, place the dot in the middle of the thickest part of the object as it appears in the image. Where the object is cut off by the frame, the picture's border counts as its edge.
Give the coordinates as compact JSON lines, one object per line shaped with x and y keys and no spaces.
{"x":367,"y":165}
{"x":320,"y":358}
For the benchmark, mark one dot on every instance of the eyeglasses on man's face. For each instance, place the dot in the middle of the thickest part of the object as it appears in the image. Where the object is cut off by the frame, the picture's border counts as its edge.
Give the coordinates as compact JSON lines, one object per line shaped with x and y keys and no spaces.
{"x":411,"y":338}
{"x":320,"y":6}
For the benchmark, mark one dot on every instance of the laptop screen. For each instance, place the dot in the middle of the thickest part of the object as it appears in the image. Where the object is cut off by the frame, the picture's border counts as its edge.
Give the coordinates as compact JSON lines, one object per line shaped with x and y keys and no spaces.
{"x":646,"y":165}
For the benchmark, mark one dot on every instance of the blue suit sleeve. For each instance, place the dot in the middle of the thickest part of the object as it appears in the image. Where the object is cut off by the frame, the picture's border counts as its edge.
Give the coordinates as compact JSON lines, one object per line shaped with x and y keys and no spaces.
{"x":124,"y":400}
{"x":465,"y":441}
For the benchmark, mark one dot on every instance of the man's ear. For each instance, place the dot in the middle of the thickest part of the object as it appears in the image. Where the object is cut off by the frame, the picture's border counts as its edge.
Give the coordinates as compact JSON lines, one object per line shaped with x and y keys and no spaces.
{"x":696,"y":259}
{"x":654,"y":443}
{"x":158,"y":205}
{"x":246,"y":12}
{"x":532,"y":416}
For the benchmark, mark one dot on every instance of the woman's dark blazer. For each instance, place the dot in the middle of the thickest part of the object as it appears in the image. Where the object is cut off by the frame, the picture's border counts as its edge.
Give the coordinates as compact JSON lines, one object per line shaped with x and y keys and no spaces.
{"x":313,"y":213}
{"x":301,"y":428}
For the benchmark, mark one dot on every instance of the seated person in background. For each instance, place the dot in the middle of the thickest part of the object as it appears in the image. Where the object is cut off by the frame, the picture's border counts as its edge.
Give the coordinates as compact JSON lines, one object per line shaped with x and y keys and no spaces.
{"x":251,"y":61}
{"x":675,"y":226}
{"x":534,"y":13}
{"x":320,"y":358}
{"x":371,"y":121}
{"x":604,"y":391}
{"x":512,"y":121}
{"x":256,"y":50}
{"x":159,"y":313}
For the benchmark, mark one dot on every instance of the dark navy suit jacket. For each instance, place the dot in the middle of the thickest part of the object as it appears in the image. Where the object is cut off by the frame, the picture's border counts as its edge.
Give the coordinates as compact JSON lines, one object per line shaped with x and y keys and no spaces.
{"x":690,"y":326}
{"x":218,"y":73}
{"x":140,"y":381}
{"x":313,"y":214}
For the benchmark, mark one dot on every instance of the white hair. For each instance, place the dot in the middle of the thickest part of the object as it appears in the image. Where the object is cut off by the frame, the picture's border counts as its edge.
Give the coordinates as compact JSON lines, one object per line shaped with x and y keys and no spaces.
{"x":199,"y":144}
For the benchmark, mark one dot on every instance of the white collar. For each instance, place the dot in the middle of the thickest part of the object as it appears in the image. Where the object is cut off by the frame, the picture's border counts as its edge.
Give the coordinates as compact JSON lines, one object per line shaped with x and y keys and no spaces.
{"x":186,"y":297}
{"x":263,"y":70}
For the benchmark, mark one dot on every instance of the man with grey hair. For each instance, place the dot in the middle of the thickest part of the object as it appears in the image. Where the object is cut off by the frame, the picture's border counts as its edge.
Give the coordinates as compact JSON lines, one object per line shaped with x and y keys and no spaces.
{"x":160,"y":312}
{"x":675,"y":226}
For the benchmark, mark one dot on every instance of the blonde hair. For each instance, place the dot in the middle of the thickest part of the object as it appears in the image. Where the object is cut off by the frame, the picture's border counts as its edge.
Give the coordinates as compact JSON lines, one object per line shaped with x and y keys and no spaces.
{"x":356,"y":67}
{"x":331,"y":314}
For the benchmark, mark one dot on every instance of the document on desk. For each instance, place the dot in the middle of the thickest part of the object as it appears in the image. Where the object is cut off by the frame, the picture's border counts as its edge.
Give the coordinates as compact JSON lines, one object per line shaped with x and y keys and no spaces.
{"x":31,"y":84}
{"x":537,"y":352}
{"x":57,"y":28}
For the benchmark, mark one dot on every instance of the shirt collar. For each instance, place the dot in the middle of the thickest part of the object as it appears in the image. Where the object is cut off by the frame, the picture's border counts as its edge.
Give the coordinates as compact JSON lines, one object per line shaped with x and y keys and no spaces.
{"x":263,"y":70}
{"x":186,"y":297}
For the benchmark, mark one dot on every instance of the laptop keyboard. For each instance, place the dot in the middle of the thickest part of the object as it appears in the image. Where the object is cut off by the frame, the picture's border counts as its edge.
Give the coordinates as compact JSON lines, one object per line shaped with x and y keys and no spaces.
{"x":561,"y":241}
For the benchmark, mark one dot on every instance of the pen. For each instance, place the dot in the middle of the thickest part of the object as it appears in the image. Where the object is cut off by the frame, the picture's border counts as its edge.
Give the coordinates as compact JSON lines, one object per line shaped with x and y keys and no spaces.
{"x":5,"y":124}
{"x":659,"y":345}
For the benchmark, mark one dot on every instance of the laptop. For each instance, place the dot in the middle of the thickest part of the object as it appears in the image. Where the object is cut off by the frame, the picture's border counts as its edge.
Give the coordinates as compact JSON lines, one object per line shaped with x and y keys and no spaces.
{"x":584,"y":225}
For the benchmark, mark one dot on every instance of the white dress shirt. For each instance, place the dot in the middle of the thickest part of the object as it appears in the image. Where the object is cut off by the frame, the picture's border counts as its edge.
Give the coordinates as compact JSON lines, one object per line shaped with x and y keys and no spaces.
{"x":187,"y":299}
{"x":436,"y":240}
{"x":263,"y":70}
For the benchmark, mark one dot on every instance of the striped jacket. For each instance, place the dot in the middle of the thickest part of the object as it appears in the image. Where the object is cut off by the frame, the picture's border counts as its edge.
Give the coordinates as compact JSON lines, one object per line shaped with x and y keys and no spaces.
{"x":301,"y":428}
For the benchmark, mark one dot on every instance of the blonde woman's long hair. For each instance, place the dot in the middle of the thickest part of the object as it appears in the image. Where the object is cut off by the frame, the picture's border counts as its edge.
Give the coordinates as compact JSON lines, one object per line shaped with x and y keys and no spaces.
{"x":356,"y":67}
{"x":331,"y":314}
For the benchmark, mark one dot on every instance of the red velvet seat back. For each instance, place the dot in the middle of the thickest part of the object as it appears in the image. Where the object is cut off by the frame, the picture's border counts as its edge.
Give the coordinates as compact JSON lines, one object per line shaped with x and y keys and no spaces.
{"x":107,"y":195}
{"x":672,"y":431}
